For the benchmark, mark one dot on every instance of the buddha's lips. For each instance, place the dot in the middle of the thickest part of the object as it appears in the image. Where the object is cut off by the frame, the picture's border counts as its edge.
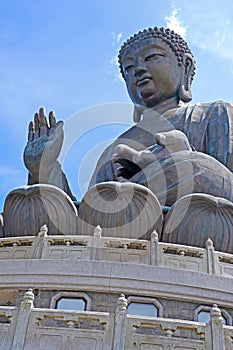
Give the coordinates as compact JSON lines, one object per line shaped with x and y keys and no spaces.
{"x":143,"y":80}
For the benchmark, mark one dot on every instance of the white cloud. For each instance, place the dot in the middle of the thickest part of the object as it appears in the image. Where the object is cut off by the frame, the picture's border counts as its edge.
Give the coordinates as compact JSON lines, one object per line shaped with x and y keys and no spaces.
{"x":174,"y":23}
{"x":114,"y":65}
{"x":216,"y":39}
{"x":204,"y":26}
{"x":116,"y":38}
{"x":115,"y":68}
{"x":220,"y":38}
{"x":119,"y":36}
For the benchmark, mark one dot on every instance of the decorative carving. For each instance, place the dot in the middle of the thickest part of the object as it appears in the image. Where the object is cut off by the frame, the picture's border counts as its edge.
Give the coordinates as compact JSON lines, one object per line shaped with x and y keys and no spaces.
{"x":199,"y":219}
{"x":97,"y":231}
{"x":71,"y":320}
{"x":122,"y":303}
{"x":122,"y":210}
{"x":28,"y":297}
{"x":27,"y":208}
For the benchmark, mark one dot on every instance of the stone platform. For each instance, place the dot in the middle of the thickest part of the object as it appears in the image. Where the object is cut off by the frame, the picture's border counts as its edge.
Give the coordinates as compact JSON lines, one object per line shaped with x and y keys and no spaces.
{"x":179,"y":280}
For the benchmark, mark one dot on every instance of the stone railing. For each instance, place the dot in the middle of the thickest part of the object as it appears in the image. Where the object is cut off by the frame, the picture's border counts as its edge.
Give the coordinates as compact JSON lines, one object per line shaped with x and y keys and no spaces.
{"x":96,"y":247}
{"x":28,"y":328}
{"x":7,"y":317}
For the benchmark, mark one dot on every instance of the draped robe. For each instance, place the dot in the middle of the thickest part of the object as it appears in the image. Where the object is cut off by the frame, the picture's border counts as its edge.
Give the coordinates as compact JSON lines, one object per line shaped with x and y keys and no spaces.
{"x":209,"y":129}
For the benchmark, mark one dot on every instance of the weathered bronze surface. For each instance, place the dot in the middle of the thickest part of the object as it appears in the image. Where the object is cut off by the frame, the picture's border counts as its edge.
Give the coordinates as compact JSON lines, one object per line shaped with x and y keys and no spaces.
{"x":124,"y":210}
{"x":27,"y":208}
{"x":175,"y":149}
{"x":196,"y":218}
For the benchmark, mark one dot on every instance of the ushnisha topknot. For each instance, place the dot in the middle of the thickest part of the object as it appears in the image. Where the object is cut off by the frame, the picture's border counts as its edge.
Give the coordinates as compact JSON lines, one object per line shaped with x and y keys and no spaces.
{"x":174,"y":40}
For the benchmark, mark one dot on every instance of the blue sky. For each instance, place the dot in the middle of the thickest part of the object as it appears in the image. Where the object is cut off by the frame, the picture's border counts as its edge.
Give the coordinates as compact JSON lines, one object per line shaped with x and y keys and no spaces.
{"x":62,"y":55}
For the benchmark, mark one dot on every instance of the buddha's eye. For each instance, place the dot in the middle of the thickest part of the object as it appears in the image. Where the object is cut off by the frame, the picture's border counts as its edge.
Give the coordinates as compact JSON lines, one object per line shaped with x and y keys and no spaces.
{"x":129,"y":68}
{"x":153,"y":56}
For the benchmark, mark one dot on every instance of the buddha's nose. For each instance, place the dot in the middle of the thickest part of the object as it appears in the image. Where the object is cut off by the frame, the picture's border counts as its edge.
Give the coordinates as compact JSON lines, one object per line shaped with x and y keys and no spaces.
{"x":139,"y":67}
{"x":139,"y":70}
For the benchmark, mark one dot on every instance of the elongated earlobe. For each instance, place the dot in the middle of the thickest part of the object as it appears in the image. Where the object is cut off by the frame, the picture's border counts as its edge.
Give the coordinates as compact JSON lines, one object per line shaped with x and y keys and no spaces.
{"x":184,"y":95}
{"x":137,"y":114}
{"x":184,"y":92}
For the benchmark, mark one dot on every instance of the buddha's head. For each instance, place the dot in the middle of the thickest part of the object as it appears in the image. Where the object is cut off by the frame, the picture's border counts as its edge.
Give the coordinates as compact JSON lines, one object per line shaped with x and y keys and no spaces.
{"x":157,"y":65}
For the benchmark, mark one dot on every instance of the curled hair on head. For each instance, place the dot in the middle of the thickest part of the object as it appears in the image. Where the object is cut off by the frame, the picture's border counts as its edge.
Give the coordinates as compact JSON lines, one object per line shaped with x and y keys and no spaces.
{"x":174,"y":40}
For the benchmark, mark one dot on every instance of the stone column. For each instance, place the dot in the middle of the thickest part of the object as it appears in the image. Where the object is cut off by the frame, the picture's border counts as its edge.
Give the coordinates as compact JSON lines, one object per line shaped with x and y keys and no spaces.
{"x":120,"y":320}
{"x":23,"y":320}
{"x":217,"y":332}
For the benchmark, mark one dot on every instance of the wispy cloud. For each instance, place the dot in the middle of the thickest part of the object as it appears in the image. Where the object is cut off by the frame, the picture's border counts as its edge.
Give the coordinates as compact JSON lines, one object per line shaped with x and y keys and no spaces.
{"x":114,"y":65}
{"x":119,"y":36}
{"x":217,"y":39}
{"x":116,"y":38}
{"x":174,"y":23}
{"x":209,"y":29}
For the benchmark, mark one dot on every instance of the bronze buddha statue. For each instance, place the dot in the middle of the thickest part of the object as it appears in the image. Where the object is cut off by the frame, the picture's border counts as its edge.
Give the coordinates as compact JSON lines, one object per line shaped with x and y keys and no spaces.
{"x":175,"y":149}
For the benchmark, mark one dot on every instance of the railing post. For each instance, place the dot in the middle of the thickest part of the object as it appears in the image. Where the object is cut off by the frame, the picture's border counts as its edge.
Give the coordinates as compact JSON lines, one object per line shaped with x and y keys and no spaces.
{"x":119,"y":327}
{"x":96,"y":242}
{"x":217,"y":333}
{"x":212,"y":267}
{"x":23,"y":320}
{"x":154,"y":248}
{"x":39,"y":243}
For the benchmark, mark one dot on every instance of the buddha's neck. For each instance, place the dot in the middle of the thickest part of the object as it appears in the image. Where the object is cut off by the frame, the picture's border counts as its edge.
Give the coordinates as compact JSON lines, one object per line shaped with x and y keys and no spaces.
{"x":161,"y":112}
{"x":164,"y":106}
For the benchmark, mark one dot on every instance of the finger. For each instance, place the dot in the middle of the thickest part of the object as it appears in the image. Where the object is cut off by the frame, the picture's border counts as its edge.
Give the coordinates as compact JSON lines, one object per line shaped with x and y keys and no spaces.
{"x":119,"y":172}
{"x":36,"y":126}
{"x":52,"y":119}
{"x":143,"y":158}
{"x":30,"y":131}
{"x":115,"y":158}
{"x":57,"y":131}
{"x":43,"y":125}
{"x":124,"y":151}
{"x":56,"y":136}
{"x":121,"y":150}
{"x":160,"y":139}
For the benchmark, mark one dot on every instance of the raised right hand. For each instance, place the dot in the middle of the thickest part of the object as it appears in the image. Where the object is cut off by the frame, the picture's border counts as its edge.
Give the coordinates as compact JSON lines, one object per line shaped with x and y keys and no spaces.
{"x":43,"y":146}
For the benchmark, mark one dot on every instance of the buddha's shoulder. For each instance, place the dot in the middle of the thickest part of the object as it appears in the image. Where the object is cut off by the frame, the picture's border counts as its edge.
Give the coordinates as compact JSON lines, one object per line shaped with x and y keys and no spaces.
{"x":206,"y":106}
{"x":206,"y":111}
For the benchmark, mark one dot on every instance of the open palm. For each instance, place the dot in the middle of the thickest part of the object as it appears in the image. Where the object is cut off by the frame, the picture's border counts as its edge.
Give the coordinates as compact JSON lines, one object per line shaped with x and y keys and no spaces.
{"x":43,"y":146}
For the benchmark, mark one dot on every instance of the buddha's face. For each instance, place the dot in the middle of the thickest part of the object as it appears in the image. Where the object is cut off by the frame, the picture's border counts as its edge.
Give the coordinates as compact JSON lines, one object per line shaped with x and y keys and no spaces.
{"x":151,"y":71}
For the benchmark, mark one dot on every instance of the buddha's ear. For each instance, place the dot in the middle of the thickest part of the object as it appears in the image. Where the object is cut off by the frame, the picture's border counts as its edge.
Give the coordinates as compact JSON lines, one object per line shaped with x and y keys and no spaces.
{"x":184,"y":92}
